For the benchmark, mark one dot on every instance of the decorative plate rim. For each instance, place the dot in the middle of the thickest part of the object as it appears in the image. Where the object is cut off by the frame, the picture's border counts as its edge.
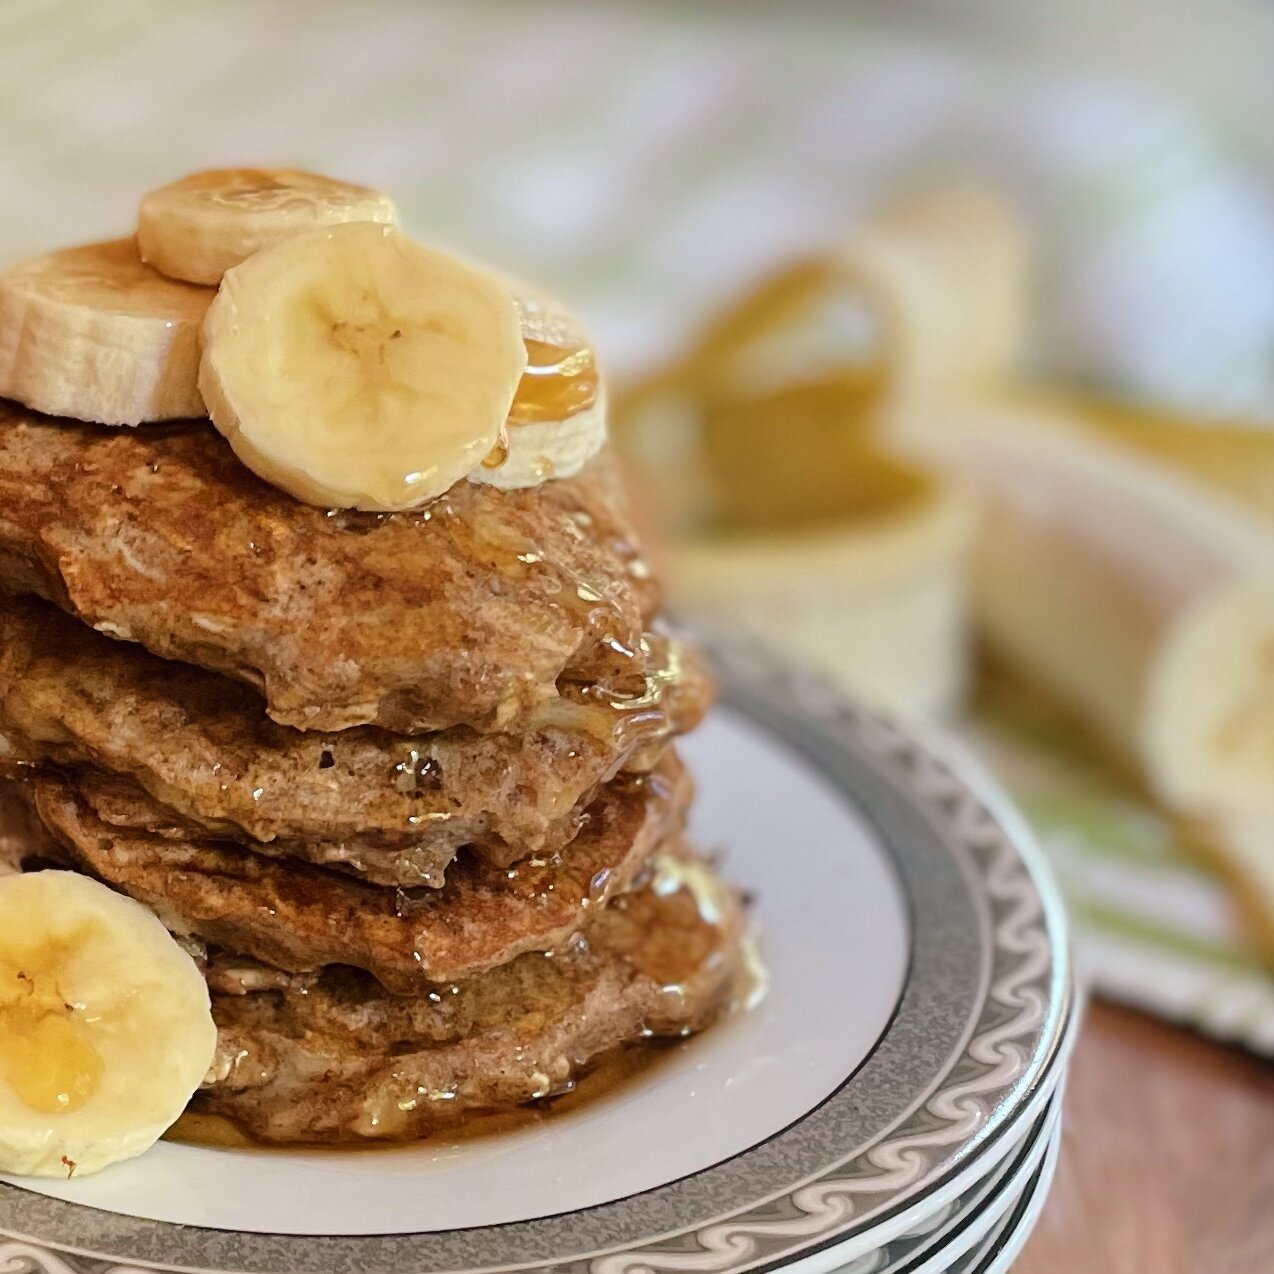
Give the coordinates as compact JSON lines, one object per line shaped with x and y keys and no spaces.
{"x":993,"y":1196}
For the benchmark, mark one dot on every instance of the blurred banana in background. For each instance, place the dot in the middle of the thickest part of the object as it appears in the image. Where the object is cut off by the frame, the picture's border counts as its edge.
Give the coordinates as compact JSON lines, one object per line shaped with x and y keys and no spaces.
{"x":783,"y":508}
{"x":1137,"y":591}
{"x":851,"y":465}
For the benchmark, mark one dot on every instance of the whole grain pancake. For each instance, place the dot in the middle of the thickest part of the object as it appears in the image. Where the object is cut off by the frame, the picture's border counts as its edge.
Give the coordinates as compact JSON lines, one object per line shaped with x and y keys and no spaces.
{"x":394,"y":809}
{"x":299,"y":918}
{"x":329,"y":1057}
{"x":467,"y":612}
{"x":128,"y":809}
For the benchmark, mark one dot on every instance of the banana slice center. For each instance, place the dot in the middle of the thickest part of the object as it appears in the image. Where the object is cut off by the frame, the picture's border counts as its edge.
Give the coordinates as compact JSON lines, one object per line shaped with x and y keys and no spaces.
{"x":46,"y":1055}
{"x":378,"y":354}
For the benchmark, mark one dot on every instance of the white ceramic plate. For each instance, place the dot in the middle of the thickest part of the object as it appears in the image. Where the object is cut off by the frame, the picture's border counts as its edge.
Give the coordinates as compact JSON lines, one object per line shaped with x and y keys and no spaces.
{"x":916,"y":1014}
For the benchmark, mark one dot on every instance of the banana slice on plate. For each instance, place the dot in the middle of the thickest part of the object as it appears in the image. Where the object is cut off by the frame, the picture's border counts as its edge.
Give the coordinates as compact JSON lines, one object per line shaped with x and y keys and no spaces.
{"x":92,"y":333}
{"x":557,"y":422}
{"x":105,"y":1026}
{"x":355,"y":368}
{"x":203,"y":225}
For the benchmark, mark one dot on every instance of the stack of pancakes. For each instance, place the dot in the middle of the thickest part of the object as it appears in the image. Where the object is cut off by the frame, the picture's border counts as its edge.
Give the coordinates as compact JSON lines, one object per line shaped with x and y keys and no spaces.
{"x":402,"y":782}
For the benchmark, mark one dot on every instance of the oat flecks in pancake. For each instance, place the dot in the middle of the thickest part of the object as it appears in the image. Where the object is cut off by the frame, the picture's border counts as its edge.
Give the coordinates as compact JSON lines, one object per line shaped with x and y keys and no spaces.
{"x":467,"y":612}
{"x":329,"y":1057}
{"x":298,"y":917}
{"x":391,"y":808}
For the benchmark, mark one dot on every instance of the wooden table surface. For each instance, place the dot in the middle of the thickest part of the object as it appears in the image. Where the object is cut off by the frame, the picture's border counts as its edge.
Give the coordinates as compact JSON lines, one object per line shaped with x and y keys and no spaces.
{"x":1167,"y":1163}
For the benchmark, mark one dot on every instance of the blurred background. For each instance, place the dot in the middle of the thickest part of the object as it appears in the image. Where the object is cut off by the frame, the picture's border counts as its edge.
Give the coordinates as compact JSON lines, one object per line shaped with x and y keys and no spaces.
{"x":940,"y":341}
{"x":649,"y":159}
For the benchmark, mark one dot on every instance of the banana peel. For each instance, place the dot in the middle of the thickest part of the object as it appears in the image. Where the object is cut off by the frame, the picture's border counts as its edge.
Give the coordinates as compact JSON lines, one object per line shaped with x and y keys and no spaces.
{"x":786,"y":509}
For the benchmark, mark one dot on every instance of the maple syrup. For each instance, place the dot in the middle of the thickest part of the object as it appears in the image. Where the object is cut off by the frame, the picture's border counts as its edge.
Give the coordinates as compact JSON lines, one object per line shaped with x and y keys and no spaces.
{"x":499,"y":453}
{"x":561,"y":377}
{"x":557,"y":384}
{"x":46,"y":1056}
{"x":613,"y":1073}
{"x":671,"y":931}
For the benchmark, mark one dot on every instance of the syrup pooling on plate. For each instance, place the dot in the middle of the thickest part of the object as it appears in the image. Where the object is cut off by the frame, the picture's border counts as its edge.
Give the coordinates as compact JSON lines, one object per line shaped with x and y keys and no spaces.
{"x":520,"y":1019}
{"x":613,"y":1075}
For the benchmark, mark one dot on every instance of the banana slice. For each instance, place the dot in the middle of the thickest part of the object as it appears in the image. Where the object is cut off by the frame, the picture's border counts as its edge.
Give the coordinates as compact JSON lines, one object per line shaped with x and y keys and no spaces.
{"x":557,"y":422}
{"x":205,"y":224}
{"x":105,"y":1026}
{"x":355,"y":368}
{"x":92,"y":333}
{"x":535,"y":453}
{"x":1208,"y":724}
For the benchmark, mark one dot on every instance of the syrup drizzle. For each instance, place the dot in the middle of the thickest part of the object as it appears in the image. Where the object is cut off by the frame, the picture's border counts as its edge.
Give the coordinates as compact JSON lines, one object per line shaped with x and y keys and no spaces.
{"x":670,"y":931}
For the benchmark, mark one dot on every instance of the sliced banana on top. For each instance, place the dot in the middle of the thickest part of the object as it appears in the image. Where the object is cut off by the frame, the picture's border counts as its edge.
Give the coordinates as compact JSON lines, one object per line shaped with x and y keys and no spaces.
{"x":557,"y":422}
{"x":205,"y":224}
{"x":355,"y":368}
{"x":92,"y":333}
{"x":105,"y":1026}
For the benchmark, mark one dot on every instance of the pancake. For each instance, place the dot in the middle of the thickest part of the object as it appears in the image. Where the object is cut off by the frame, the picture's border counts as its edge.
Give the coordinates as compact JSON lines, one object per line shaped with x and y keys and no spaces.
{"x":329,"y":1057}
{"x":393,"y":809}
{"x":467,"y":612}
{"x":298,"y":917}
{"x":127,"y":809}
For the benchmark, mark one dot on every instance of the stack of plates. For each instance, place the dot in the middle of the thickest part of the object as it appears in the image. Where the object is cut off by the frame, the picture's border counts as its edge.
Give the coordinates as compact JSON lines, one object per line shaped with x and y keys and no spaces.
{"x":892,"y":1104}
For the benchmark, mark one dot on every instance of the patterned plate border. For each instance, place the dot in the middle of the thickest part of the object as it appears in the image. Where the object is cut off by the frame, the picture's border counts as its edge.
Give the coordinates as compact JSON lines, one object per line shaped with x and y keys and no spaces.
{"x":976,"y":1211}
{"x":974,"y":1037}
{"x":1001,"y":1247}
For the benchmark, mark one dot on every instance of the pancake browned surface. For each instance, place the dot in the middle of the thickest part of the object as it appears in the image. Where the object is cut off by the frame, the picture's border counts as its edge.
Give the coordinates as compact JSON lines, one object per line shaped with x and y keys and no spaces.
{"x":330,"y":1057}
{"x":391,"y":808}
{"x":299,"y":918}
{"x":467,"y":612}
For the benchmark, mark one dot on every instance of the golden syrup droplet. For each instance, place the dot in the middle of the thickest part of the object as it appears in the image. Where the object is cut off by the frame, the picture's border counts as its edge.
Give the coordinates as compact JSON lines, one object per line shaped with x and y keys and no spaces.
{"x":199,"y":1128}
{"x":46,"y":1056}
{"x":499,"y":453}
{"x":557,"y":384}
{"x":561,"y":376}
{"x":600,"y":885}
